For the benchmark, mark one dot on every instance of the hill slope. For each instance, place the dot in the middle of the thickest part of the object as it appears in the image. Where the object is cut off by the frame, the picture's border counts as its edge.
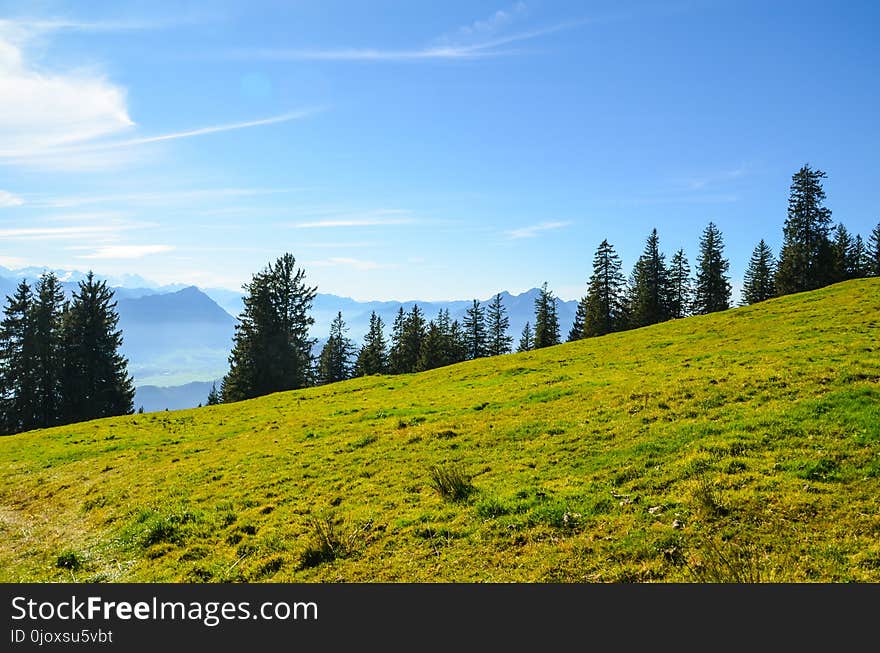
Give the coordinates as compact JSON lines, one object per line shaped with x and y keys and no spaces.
{"x":736,"y":446}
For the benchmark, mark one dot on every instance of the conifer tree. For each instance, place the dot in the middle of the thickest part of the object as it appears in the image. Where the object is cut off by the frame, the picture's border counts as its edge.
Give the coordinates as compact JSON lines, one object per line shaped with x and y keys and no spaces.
{"x":272,"y":350}
{"x":48,"y":309}
{"x":334,"y":362}
{"x":474,"y":324}
{"x":396,"y":362}
{"x":712,"y":291}
{"x":859,"y":259}
{"x":213,"y":396}
{"x":407,"y":336}
{"x":433,"y":353}
{"x":373,"y":357}
{"x":841,"y":254}
{"x":680,"y":286}
{"x":95,"y":378}
{"x":651,"y":288}
{"x":758,"y":281}
{"x":580,"y":319}
{"x":526,"y":340}
{"x":499,"y":342}
{"x":874,"y":251}
{"x":546,"y":319}
{"x":605,"y":310}
{"x":805,"y":261}
{"x":456,"y":343}
{"x":18,"y":386}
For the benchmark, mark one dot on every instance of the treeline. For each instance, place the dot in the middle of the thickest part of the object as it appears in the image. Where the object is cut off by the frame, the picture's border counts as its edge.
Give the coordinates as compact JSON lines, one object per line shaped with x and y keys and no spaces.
{"x":60,"y":360}
{"x":272,"y":351}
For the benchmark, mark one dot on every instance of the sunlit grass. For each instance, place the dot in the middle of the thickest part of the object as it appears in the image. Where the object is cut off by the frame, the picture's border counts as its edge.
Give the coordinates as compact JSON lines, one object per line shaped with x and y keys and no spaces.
{"x":740,"y":445}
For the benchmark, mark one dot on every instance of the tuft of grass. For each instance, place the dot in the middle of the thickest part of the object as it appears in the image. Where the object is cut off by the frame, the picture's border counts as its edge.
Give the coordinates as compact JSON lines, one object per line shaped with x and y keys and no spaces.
{"x":451,"y":482}
{"x":331,"y":539}
{"x":69,"y":560}
{"x":715,"y":560}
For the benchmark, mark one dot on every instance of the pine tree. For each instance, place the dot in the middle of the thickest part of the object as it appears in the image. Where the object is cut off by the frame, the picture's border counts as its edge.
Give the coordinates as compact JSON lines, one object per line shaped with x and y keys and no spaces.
{"x":48,"y":310}
{"x":95,"y":378}
{"x":213,"y":396}
{"x":499,"y":342}
{"x":334,"y":362}
{"x":433,"y":353}
{"x":841,"y":255}
{"x":580,"y":320}
{"x":406,"y":340}
{"x":713,"y":286}
{"x":456,"y":344}
{"x":651,"y":288}
{"x":396,"y":362}
{"x":18,"y":385}
{"x":758,"y":281}
{"x":680,"y":287}
{"x":859,"y":259}
{"x":806,"y":260}
{"x":526,"y":340}
{"x":546,"y":319}
{"x":474,"y":325}
{"x":373,"y":357}
{"x":605,"y":312}
{"x":874,"y":251}
{"x":271,"y":349}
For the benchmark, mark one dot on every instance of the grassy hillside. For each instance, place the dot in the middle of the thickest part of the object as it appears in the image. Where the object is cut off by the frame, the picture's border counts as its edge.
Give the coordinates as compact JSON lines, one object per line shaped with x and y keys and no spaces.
{"x":737,"y":446}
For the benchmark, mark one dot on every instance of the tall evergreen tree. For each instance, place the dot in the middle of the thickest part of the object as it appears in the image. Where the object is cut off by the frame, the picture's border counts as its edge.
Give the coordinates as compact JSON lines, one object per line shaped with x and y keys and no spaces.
{"x":526,"y":340}
{"x":18,"y":385}
{"x":334,"y":362}
{"x":712,"y":291}
{"x":95,"y":379}
{"x":651,"y":290}
{"x":272,"y":350}
{"x":546,"y":319}
{"x":396,"y":363}
{"x":213,"y":396}
{"x":48,"y":309}
{"x":474,"y":324}
{"x":758,"y":281}
{"x":407,"y":335}
{"x":680,"y":286}
{"x":874,"y":251}
{"x":605,"y":307}
{"x":499,"y":342}
{"x":841,"y":255}
{"x":580,"y":319}
{"x":805,"y":261}
{"x":373,"y":357}
{"x":433,"y":353}
{"x":456,"y":343}
{"x":859,"y":259}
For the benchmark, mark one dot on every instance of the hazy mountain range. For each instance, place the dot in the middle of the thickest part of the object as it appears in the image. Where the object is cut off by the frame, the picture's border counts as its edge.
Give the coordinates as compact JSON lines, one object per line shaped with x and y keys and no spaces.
{"x":177,"y":338}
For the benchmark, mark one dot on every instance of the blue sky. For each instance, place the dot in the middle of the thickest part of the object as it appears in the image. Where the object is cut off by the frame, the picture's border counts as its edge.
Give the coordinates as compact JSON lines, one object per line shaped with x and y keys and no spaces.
{"x":418,"y":149}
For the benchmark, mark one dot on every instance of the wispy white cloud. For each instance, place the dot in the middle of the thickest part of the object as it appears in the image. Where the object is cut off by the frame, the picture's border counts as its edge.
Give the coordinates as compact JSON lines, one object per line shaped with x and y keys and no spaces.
{"x":355,"y":222}
{"x":481,"y":38}
{"x":12,"y":262}
{"x":43,"y":110}
{"x":375,"y":218}
{"x":27,"y":233}
{"x":154,"y":197}
{"x":7,"y":199}
{"x":353,"y":263}
{"x":533,"y":230}
{"x":73,"y":119}
{"x":126,"y":251}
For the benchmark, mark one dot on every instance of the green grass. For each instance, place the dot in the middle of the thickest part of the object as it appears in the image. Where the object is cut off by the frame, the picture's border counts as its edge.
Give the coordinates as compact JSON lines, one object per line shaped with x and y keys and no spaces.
{"x":738,"y":446}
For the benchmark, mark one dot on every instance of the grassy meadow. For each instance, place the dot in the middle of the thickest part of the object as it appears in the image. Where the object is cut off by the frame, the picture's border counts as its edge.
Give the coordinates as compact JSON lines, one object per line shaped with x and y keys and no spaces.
{"x":739,"y":446}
